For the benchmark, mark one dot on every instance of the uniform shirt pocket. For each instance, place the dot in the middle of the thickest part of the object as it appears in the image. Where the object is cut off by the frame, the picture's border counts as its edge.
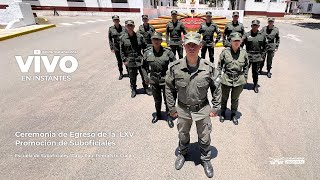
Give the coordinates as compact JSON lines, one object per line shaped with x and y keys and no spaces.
{"x":202,"y":88}
{"x":181,"y":84}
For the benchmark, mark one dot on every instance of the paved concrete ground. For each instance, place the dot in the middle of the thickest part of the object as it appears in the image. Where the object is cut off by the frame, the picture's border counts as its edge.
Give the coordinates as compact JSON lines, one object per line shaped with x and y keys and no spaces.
{"x":282,"y":121}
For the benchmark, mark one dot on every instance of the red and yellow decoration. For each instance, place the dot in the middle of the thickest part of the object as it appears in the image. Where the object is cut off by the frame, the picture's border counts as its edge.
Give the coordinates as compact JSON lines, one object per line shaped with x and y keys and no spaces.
{"x":191,"y":22}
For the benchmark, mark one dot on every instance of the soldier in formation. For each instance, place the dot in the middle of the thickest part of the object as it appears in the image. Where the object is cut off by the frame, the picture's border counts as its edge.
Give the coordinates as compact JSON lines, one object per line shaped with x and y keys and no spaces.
{"x":131,"y":47}
{"x":207,"y":29}
{"x":156,"y":61}
{"x":233,"y":26}
{"x":114,"y":34}
{"x":255,"y":42}
{"x":191,"y":77}
{"x":234,"y":64}
{"x":146,"y":30}
{"x":174,"y":30}
{"x":273,"y":41}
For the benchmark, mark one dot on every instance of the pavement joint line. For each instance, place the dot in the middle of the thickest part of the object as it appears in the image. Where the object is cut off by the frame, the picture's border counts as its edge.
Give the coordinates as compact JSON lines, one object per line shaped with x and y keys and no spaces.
{"x":27,"y":31}
{"x":66,"y":24}
{"x":79,"y":22}
{"x":90,"y":21}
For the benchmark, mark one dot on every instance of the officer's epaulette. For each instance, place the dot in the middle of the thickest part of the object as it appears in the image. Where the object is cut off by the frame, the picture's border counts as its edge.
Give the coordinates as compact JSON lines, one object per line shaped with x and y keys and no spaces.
{"x":166,"y":48}
{"x":225,"y":49}
{"x":139,"y":34}
{"x":173,"y":64}
{"x":150,"y":48}
{"x":206,"y":62}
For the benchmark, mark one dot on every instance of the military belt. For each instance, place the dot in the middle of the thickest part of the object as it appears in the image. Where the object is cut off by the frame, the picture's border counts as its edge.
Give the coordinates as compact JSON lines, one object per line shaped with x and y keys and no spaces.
{"x":175,"y":38}
{"x":233,"y":74}
{"x":156,"y":74}
{"x":254,"y":52}
{"x":272,"y":41}
{"x":193,"y":108}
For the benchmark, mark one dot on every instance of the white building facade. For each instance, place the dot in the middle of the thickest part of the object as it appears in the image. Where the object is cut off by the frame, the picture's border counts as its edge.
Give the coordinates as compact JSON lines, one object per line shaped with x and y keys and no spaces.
{"x":274,"y":8}
{"x":309,"y":6}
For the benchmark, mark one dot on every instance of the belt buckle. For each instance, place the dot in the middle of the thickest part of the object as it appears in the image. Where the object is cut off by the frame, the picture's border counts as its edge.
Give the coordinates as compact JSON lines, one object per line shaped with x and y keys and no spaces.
{"x":193,"y":108}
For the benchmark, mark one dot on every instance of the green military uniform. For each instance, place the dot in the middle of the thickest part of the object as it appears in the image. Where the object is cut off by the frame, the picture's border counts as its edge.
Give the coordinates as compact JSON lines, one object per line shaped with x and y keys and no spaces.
{"x":131,"y":51}
{"x":191,"y":84}
{"x":256,"y":49}
{"x":146,"y":31}
{"x":174,"y":30}
{"x":207,"y":30}
{"x":157,"y":64}
{"x":273,"y":41}
{"x":230,"y":28}
{"x":114,"y":41}
{"x":235,"y":66}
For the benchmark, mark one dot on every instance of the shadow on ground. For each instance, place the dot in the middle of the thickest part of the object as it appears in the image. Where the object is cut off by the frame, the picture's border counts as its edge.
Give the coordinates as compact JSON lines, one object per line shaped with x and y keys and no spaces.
{"x":194,"y":153}
{"x":228,"y":115}
{"x":315,"y":26}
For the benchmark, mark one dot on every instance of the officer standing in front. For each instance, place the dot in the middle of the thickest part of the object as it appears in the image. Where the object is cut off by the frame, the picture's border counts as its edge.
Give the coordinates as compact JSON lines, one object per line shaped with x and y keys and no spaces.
{"x":235,"y":65}
{"x":114,"y":34}
{"x":191,"y":78}
{"x":255,"y":42}
{"x":207,"y":29}
{"x":173,"y":30}
{"x":156,"y":61}
{"x":131,"y":46}
{"x":273,"y":41}
{"x":234,"y":26}
{"x":146,"y":30}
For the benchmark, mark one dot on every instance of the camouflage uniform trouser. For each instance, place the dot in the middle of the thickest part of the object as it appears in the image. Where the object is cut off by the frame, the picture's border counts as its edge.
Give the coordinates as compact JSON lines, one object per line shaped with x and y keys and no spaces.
{"x":177,"y":48}
{"x":255,"y":70}
{"x":157,"y":96}
{"x":204,"y":128}
{"x":270,"y":55}
{"x":133,"y":73}
{"x":211,"y":52}
{"x":120,"y":63}
{"x":235,"y":94}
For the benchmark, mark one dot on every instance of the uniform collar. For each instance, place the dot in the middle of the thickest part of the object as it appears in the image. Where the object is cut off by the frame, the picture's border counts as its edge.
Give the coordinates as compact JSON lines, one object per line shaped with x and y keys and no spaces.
{"x":271,"y":27}
{"x":134,"y":34}
{"x":235,"y":23}
{"x":160,"y":51}
{"x":116,"y":26}
{"x":184,"y":65}
{"x":232,"y":52}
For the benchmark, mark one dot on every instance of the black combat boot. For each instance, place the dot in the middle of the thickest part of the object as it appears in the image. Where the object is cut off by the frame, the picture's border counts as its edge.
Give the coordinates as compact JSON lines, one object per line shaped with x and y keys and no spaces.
{"x":133,"y":92}
{"x":170,"y":122}
{"x":256,"y":88}
{"x":120,"y":76}
{"x":222,"y":116}
{"x":158,"y":116}
{"x":207,"y":166}
{"x":234,"y":119}
{"x":269,"y":74}
{"x":179,"y":161}
{"x":148,"y":91}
